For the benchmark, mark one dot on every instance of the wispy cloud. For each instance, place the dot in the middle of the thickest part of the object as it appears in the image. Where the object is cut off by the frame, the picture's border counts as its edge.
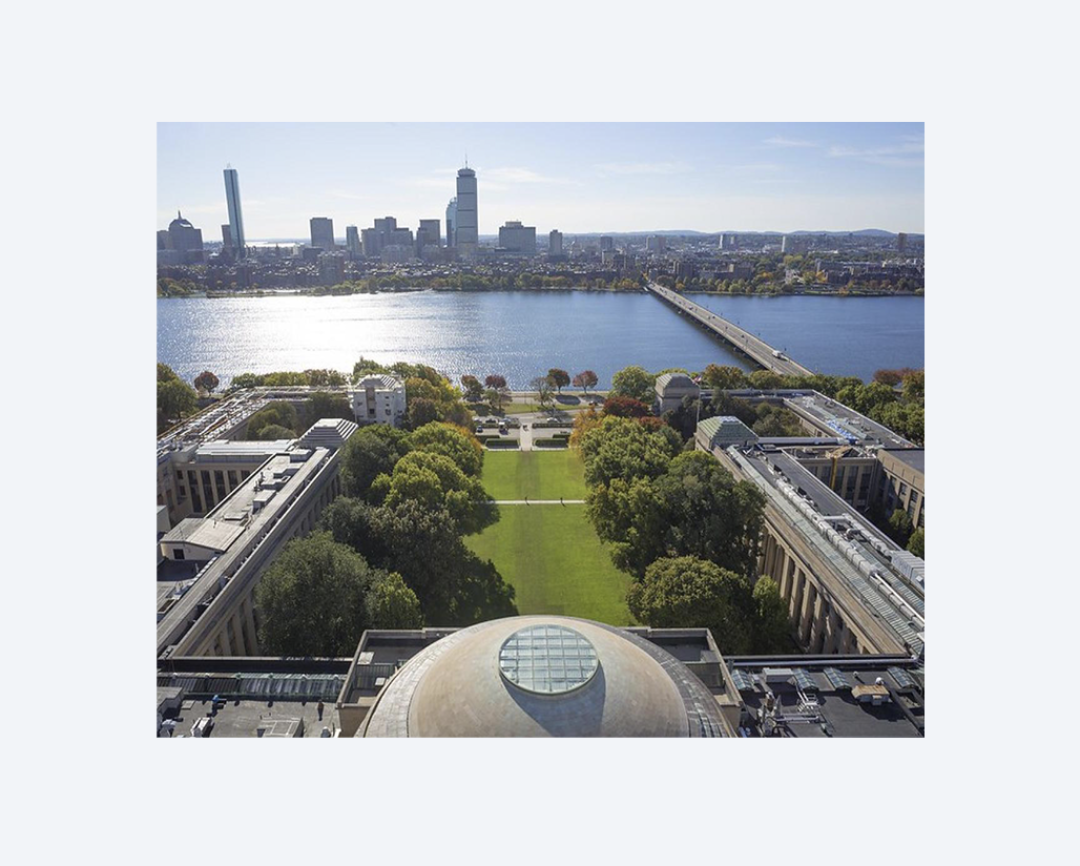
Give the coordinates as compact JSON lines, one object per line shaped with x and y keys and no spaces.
{"x":516,"y":174}
{"x":907,"y":154}
{"x":643,"y":167}
{"x":780,"y":141}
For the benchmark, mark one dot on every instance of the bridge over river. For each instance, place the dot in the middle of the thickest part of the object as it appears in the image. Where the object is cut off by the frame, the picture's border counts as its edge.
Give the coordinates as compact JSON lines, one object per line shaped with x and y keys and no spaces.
{"x":757,"y":350}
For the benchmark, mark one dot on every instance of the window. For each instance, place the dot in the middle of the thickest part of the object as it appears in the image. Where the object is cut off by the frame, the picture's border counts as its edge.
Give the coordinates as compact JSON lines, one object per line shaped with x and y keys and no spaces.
{"x":178,"y":553}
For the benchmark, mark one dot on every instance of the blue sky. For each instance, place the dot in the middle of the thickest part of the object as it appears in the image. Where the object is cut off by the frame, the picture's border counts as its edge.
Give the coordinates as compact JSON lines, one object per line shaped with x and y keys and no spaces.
{"x":575,"y":177}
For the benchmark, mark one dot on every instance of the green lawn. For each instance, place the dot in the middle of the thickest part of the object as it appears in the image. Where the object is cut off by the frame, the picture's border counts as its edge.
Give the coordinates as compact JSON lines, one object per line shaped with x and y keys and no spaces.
{"x":536,"y":474}
{"x":549,"y":553}
{"x":553,"y":559}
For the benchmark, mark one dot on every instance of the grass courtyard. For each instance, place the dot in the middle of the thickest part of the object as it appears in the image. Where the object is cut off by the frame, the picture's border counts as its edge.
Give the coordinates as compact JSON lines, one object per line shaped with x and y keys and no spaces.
{"x":549,"y":553}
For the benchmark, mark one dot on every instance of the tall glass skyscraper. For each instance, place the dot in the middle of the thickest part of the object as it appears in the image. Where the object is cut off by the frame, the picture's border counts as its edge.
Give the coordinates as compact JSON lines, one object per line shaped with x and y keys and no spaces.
{"x":236,"y":218}
{"x":465,"y":231}
{"x":451,"y":222}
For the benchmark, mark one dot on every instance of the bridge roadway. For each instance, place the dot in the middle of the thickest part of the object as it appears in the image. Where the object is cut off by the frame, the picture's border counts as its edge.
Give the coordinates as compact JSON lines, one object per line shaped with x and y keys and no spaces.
{"x":756,"y":349}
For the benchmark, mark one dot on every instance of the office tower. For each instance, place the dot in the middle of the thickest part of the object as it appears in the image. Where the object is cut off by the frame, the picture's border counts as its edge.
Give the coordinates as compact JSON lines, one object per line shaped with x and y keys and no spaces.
{"x":371,"y":242}
{"x":901,"y":242}
{"x":352,"y":240}
{"x":555,"y":243}
{"x":226,"y":237}
{"x":466,"y":230}
{"x":795,"y":244}
{"x":236,"y":218}
{"x":163,"y":239}
{"x":183,"y":236}
{"x":728,"y":242}
{"x":516,"y":238}
{"x":606,"y":243}
{"x":428,"y":234}
{"x":322,"y":233}
{"x":451,"y":222}
{"x":655,"y":244}
{"x":385,"y":225}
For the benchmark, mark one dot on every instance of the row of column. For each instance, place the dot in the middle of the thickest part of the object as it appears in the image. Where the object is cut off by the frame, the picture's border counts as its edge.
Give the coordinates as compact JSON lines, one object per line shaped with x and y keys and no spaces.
{"x":818,"y":625}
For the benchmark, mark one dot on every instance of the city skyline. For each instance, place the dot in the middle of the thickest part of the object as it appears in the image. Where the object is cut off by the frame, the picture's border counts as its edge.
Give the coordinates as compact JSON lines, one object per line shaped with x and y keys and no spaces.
{"x":579,"y":178}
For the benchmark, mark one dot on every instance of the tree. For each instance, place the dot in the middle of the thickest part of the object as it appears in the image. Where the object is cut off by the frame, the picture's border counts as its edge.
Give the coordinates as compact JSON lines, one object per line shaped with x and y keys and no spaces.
{"x":457,"y":443}
{"x":312,"y":598}
{"x":280,"y":413}
{"x":623,"y":448}
{"x":634,"y":382}
{"x":175,"y":399}
{"x":391,"y":604}
{"x":371,"y":451}
{"x":687,"y":592}
{"x":585,"y":380}
{"x":436,"y":482}
{"x":542,"y":386}
{"x":495,"y":381}
{"x":693,"y":508}
{"x":559,"y":378}
{"x":723,"y":378}
{"x":323,"y":404}
{"x":625,"y":407}
{"x":916,"y":544}
{"x":495,"y":398}
{"x":206,"y":382}
{"x":772,"y":627}
{"x":765,"y":380}
{"x":165,"y":373}
{"x":900,"y":526}
{"x":421,"y":411}
{"x":273,"y":431}
{"x":474,"y":391}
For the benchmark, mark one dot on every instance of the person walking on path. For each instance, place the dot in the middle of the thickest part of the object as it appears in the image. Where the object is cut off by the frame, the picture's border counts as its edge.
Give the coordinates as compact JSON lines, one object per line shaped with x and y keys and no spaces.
{"x":320,"y":708}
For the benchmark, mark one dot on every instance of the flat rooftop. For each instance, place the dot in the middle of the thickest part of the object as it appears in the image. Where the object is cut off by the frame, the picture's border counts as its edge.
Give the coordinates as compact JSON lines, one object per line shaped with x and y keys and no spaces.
{"x":241,"y":718}
{"x":913,"y":457}
{"x":812,"y":696}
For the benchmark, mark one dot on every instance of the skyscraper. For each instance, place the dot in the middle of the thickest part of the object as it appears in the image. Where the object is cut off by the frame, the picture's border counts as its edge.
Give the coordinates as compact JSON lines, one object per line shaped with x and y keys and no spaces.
{"x":451,"y":222}
{"x":428,"y":233}
{"x":465,"y":230}
{"x":352,"y":240}
{"x":322,"y":233}
{"x":555,"y":243}
{"x":236,"y":218}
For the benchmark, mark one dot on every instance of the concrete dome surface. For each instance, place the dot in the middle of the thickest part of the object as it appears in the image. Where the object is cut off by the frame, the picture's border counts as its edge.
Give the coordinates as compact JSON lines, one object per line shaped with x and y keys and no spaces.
{"x":541,"y":676}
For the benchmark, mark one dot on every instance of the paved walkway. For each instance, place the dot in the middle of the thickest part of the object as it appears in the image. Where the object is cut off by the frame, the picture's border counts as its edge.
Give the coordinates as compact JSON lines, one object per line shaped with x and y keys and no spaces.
{"x":539,"y":501}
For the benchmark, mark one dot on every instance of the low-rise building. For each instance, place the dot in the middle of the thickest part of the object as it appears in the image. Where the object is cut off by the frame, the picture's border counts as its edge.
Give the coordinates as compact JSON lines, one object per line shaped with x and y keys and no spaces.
{"x":672,"y":389}
{"x":379,"y":398}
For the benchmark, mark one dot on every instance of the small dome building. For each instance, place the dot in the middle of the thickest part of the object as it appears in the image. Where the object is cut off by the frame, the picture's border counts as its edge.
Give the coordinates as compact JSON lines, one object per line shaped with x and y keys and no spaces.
{"x":543,"y":676}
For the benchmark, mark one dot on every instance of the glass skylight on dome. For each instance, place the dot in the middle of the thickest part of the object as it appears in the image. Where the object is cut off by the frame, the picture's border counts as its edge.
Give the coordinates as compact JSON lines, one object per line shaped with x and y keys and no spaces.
{"x":548,"y":659}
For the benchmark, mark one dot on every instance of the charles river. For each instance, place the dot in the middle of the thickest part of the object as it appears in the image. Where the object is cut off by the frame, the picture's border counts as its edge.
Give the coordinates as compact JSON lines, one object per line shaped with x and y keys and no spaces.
{"x":521,"y":334}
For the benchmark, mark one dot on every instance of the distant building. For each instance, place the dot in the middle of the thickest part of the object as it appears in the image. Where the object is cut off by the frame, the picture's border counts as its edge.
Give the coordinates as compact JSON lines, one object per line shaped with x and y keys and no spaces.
{"x":236,"y":217}
{"x":516,"y":238}
{"x":451,"y":222}
{"x":655,"y":244}
{"x":370,"y":241}
{"x":428,"y":234}
{"x":672,"y":388}
{"x":226,"y":236}
{"x":322,"y":233}
{"x":352,"y":240}
{"x":180,"y":244}
{"x":901,"y":242}
{"x":729,"y":242}
{"x":379,"y":399}
{"x":794,"y":244}
{"x":331,"y":269}
{"x":466,"y":231}
{"x":606,"y":243}
{"x":555,"y":242}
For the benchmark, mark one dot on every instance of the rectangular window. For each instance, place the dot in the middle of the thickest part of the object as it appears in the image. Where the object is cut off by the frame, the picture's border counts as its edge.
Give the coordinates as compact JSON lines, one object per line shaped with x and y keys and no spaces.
{"x":178,"y":553}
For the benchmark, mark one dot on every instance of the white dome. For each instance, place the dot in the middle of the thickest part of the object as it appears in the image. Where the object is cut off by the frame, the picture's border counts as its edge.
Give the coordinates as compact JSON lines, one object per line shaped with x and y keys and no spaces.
{"x":540,"y":676}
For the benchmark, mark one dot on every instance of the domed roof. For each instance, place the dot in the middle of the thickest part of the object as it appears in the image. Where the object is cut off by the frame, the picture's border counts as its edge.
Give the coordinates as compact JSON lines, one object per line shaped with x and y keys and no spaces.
{"x":540,"y":676}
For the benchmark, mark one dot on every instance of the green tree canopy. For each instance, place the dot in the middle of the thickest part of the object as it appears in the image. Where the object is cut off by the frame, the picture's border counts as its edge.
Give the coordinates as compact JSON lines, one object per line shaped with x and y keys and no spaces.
{"x":457,"y":443}
{"x":772,"y":626}
{"x":279,"y":413}
{"x":327,"y":404}
{"x":687,"y":592}
{"x":165,"y":373}
{"x":273,"y":431}
{"x":623,"y":448}
{"x":765,"y":380}
{"x":636,"y":382}
{"x":900,"y":526}
{"x":206,"y":382}
{"x":694,"y":508}
{"x":312,"y":600}
{"x":723,"y":378}
{"x":436,"y":482}
{"x":371,"y":451}
{"x":175,"y":399}
{"x":916,"y":544}
{"x":392,"y":604}
{"x":559,"y":378}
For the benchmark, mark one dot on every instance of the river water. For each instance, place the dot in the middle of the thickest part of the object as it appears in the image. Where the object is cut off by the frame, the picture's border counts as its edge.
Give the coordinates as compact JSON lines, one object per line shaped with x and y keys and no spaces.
{"x":522,"y":334}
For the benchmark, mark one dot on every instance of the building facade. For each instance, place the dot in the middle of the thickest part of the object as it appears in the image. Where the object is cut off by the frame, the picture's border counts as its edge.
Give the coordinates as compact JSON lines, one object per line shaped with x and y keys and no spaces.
{"x":379,"y":398}
{"x":466,"y":225}
{"x":517,"y":239}
{"x":451,"y":223}
{"x":322,"y":233}
{"x":236,"y":216}
{"x":555,"y":239}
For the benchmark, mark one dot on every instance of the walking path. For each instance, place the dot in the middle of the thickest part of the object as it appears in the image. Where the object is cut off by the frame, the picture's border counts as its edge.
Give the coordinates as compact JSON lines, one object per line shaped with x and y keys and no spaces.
{"x":538,"y":501}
